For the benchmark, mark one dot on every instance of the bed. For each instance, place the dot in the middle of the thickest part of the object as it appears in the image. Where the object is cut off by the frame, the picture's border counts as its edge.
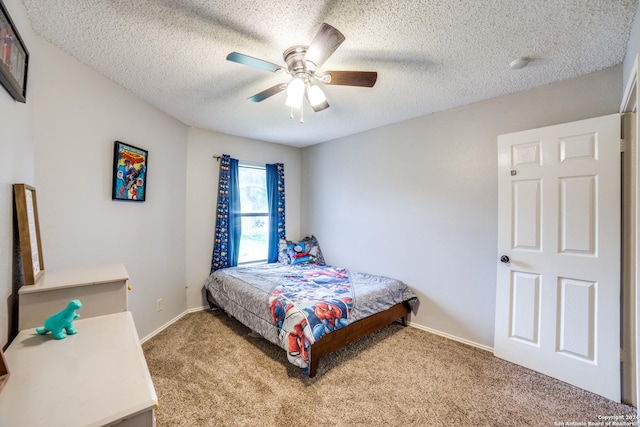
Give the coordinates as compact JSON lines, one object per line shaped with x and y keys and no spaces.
{"x":309,"y":309}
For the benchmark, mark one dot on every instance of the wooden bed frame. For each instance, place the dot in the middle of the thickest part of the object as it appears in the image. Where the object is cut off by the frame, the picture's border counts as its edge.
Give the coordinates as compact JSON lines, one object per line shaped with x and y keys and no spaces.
{"x":343,"y":336}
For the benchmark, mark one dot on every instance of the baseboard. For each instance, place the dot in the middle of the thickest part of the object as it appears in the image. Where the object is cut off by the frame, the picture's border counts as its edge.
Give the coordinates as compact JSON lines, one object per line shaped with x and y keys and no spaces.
{"x":193,"y":310}
{"x":171,"y":322}
{"x":452,"y":337}
{"x":414,"y":325}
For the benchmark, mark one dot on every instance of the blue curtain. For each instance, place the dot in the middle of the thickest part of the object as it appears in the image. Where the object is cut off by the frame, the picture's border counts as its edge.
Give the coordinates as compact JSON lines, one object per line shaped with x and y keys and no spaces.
{"x":226,"y":243}
{"x":275,"y":199}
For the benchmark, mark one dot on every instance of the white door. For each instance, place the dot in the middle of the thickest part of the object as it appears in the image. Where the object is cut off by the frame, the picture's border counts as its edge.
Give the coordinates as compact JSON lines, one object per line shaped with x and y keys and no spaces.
{"x":558,"y":294}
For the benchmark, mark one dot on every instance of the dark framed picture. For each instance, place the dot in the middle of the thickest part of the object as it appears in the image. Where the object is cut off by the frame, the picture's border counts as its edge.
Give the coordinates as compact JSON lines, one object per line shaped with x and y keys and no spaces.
{"x":129,"y":172}
{"x":14,"y":58}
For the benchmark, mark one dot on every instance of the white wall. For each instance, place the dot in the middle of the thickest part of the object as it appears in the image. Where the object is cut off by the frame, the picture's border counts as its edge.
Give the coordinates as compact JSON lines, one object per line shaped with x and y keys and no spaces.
{"x":79,"y":115}
{"x":61,"y":142}
{"x":16,"y":162}
{"x":440,"y":182}
{"x":633,"y":165}
{"x":417,"y":200}
{"x":202,"y":187}
{"x":633,"y":47}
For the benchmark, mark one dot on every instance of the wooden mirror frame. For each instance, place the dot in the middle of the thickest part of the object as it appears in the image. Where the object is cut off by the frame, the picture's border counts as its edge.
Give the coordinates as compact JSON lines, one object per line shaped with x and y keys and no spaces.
{"x":4,"y":370}
{"x":28,"y":232}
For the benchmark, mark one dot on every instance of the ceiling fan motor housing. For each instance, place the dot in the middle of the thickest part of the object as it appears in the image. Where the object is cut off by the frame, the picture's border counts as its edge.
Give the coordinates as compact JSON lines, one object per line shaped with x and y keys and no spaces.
{"x":294,"y":58}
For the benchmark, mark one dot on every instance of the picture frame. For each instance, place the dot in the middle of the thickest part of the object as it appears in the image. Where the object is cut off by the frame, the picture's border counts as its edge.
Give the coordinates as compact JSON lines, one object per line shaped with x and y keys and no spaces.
{"x":14,"y":58}
{"x":129,"y":173}
{"x":28,"y":232}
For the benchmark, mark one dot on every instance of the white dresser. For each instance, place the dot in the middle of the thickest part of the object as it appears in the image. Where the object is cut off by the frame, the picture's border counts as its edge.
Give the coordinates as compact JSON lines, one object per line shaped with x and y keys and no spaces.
{"x":97,"y":377}
{"x":102,"y":290}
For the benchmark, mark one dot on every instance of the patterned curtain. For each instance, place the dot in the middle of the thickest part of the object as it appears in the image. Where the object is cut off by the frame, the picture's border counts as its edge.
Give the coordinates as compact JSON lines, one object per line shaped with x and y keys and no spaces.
{"x":275,"y":199}
{"x":226,"y":243}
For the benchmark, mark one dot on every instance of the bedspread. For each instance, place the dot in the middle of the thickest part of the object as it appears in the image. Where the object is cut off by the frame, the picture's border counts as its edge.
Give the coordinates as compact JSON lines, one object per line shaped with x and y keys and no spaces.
{"x":326,"y":298}
{"x":306,"y":305}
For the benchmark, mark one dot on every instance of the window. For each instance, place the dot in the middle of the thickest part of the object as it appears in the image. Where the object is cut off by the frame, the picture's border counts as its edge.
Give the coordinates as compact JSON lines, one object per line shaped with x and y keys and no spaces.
{"x":254,"y":241}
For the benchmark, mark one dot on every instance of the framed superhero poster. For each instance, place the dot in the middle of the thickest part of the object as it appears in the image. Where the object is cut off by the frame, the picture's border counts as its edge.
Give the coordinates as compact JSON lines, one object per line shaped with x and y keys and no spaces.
{"x":129,"y":173}
{"x":14,"y":58}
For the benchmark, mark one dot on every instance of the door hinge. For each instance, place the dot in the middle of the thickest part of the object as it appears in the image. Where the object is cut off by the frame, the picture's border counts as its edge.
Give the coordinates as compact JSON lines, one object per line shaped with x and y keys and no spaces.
{"x":622,"y":145}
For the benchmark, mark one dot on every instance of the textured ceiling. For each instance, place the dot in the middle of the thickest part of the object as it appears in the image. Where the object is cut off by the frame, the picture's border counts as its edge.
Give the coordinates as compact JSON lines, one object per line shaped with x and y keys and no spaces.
{"x":430,"y":55}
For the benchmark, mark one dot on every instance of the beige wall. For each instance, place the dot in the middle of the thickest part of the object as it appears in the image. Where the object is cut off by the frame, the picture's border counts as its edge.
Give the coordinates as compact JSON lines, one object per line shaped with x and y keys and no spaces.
{"x":61,"y":142}
{"x":80,"y":113}
{"x":202,"y":186}
{"x":417,"y":200}
{"x":633,"y":47}
{"x":16,"y":163}
{"x":436,"y":173}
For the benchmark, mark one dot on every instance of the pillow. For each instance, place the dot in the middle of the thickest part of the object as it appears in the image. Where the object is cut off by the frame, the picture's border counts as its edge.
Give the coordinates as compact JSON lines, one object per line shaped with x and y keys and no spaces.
{"x":313,"y":247}
{"x":283,"y":254}
{"x":298,"y":253}
{"x":305,"y":251}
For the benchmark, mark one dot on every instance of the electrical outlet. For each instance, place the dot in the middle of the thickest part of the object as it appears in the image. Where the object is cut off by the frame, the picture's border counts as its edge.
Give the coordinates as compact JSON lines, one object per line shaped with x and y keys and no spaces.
{"x":159,"y":304}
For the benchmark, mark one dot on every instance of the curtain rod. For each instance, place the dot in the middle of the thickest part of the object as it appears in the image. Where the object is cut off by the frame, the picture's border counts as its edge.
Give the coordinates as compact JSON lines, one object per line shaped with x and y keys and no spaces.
{"x":244,"y":162}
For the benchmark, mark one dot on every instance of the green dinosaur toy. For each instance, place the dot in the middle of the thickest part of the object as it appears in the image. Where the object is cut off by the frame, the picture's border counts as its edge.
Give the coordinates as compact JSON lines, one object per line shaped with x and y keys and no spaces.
{"x":62,"y":320}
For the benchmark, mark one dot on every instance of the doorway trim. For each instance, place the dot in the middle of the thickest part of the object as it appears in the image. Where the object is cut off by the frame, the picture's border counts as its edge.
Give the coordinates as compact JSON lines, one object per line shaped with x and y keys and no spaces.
{"x":630,"y":304}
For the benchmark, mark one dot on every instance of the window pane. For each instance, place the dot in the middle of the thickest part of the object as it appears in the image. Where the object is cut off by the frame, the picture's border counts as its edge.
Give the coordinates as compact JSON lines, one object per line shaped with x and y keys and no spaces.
{"x":253,"y":189}
{"x":254,"y":242}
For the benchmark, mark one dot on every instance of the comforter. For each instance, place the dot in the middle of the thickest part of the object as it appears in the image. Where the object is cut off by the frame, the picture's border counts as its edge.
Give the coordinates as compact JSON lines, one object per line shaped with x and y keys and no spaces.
{"x":295,"y":305}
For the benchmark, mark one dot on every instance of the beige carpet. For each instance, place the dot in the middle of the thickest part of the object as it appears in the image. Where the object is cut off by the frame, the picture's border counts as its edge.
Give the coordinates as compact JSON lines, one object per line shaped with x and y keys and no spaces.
{"x":209,"y":371}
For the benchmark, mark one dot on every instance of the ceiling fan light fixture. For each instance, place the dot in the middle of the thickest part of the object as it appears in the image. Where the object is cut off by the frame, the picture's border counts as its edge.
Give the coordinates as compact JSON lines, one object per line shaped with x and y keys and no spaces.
{"x":316,"y":96}
{"x":303,"y":61}
{"x":295,"y":93}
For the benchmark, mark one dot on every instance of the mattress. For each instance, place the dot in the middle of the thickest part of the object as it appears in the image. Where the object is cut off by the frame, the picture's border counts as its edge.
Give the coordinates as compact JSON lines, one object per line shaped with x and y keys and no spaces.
{"x":244,"y":292}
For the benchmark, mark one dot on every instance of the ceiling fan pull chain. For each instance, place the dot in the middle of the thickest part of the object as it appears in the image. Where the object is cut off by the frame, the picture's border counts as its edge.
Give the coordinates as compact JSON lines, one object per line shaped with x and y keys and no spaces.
{"x":291,"y":115}
{"x":302,"y":113}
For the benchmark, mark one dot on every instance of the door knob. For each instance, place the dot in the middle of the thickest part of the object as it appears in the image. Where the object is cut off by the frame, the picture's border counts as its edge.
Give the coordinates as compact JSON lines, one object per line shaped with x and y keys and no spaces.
{"x":505,"y":259}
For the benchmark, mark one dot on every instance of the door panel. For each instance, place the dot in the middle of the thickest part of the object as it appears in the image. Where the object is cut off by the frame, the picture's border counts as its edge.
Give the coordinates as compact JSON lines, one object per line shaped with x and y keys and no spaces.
{"x":525,"y":307}
{"x":578,"y":212}
{"x":526,"y":219}
{"x":557,"y":299}
{"x":576,"y":312}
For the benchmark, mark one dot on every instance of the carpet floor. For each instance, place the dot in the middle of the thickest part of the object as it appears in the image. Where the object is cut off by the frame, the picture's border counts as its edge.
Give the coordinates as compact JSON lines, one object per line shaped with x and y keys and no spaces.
{"x":210,"y":370}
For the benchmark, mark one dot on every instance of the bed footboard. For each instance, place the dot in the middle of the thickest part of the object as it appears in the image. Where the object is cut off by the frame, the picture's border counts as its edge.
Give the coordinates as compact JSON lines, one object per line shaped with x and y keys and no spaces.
{"x":343,"y":336}
{"x":352,"y":332}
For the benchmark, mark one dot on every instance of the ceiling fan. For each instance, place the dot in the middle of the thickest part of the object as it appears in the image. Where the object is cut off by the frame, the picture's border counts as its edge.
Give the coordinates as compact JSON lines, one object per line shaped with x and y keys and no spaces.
{"x":303,"y":63}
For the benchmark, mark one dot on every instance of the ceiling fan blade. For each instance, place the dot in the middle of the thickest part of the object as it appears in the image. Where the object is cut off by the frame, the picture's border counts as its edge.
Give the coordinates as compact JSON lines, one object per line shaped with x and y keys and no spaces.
{"x":323,"y":45}
{"x":268,"y":92}
{"x":241,"y":58}
{"x":350,"y":78}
